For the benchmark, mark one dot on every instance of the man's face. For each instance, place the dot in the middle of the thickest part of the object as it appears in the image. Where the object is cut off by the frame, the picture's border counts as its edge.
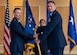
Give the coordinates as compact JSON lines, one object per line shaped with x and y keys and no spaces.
{"x":17,"y":14}
{"x":51,"y":7}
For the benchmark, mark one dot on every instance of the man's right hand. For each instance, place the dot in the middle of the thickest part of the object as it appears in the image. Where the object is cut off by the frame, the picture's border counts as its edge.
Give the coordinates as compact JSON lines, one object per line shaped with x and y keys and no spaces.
{"x":35,"y":36}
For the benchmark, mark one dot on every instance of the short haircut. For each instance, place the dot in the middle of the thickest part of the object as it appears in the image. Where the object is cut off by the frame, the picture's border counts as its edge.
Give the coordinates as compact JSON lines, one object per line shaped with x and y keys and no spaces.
{"x":16,"y":9}
{"x":51,"y":2}
{"x":42,"y":20}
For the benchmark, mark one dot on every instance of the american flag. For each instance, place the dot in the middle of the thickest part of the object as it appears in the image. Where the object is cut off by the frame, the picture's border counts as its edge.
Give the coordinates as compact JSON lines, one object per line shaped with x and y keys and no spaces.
{"x":7,"y":32}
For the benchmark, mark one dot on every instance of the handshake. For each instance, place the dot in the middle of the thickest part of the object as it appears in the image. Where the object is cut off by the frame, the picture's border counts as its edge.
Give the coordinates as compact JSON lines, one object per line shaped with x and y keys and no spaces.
{"x":36,"y":38}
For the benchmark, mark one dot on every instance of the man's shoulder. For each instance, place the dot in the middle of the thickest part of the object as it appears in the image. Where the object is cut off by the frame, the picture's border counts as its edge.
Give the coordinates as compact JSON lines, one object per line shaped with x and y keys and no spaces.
{"x":56,"y":12}
{"x":14,"y":20}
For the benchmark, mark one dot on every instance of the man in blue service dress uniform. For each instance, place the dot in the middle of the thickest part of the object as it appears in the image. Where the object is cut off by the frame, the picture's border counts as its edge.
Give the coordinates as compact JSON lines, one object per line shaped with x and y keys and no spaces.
{"x":18,"y":35}
{"x":54,"y":32}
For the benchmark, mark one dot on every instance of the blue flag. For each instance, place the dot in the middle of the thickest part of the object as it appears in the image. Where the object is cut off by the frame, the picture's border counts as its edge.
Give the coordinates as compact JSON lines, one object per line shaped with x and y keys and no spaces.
{"x":47,"y":19}
{"x":30,"y":23}
{"x":71,"y":27}
{"x":48,"y":13}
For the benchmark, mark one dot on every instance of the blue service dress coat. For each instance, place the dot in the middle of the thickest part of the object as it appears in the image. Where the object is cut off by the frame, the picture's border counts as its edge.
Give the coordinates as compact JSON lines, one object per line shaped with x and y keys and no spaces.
{"x":18,"y":36}
{"x":53,"y":32}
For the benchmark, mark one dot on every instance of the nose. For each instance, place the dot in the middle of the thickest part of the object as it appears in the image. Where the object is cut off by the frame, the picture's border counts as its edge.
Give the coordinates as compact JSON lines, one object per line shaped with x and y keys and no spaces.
{"x":49,"y":7}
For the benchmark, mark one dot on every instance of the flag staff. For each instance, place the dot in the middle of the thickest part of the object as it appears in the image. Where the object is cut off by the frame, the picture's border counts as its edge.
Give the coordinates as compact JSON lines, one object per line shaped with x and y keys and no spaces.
{"x":38,"y":46}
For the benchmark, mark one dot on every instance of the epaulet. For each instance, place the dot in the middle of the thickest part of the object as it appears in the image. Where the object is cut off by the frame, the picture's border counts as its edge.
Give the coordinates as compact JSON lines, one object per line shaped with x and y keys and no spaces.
{"x":14,"y":19}
{"x":54,"y":12}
